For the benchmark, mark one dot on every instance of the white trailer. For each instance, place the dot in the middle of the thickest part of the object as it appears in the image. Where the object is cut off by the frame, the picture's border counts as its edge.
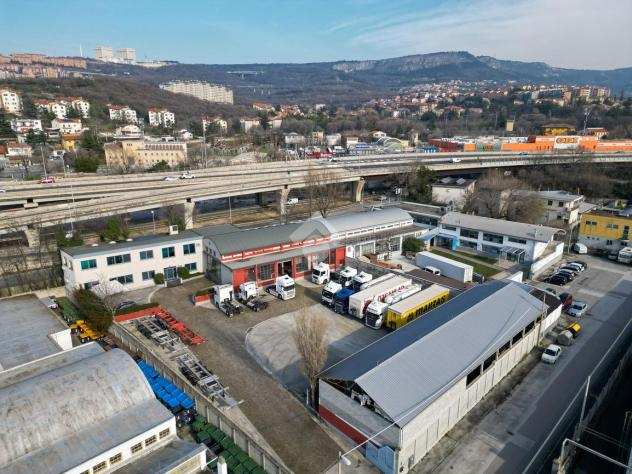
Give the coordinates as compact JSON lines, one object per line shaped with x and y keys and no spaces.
{"x":448,"y":267}
{"x":375,"y":313}
{"x":358,"y":302}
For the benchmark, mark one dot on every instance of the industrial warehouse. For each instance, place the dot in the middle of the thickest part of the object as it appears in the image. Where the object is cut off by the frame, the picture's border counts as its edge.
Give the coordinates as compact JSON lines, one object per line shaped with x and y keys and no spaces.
{"x":398,"y":396}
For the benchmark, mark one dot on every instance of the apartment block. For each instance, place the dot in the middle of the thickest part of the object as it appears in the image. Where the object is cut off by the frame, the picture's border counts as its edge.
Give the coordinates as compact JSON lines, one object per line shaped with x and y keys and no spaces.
{"x":161,"y":117}
{"x":10,"y":101}
{"x":23,"y":126}
{"x":122,"y":113}
{"x":58,"y":108}
{"x":201,"y":90}
{"x":67,"y":126}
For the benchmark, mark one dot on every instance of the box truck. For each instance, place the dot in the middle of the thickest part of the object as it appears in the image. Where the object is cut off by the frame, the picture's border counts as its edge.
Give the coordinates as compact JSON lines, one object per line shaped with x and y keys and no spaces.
{"x":359,"y":301}
{"x":448,"y":267}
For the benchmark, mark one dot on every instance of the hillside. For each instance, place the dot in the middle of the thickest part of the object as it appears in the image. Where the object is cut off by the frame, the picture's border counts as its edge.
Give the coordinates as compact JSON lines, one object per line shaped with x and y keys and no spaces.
{"x":351,"y":82}
{"x":140,"y":95}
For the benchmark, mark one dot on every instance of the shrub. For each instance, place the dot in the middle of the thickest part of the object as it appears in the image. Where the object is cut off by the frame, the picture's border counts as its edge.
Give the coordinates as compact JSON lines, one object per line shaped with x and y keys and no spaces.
{"x":159,"y":278}
{"x":92,"y":309}
{"x":184,"y":273}
{"x":411,"y":244}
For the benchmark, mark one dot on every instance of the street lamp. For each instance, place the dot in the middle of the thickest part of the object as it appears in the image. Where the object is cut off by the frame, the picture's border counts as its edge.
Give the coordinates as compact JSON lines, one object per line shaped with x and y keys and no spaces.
{"x":342,"y":459}
{"x":153,"y":221}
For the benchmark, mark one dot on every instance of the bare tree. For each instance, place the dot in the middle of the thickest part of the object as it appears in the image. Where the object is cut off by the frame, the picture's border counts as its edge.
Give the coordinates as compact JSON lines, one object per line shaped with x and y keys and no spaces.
{"x":309,"y":337}
{"x":323,"y":190}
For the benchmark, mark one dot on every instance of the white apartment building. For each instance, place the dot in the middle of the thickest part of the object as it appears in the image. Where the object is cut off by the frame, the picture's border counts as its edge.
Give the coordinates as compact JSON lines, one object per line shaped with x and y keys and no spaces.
{"x":126,"y":54}
{"x":58,"y":108}
{"x":80,"y":105}
{"x":19,"y":151}
{"x":220,"y":122}
{"x":10,"y":101}
{"x":132,"y":263}
{"x":452,"y":191}
{"x":22,"y":126}
{"x":201,"y":90}
{"x":104,"y":53}
{"x":67,"y":126}
{"x":122,"y":113}
{"x":161,"y":117}
{"x":559,"y":206}
{"x":248,"y":123}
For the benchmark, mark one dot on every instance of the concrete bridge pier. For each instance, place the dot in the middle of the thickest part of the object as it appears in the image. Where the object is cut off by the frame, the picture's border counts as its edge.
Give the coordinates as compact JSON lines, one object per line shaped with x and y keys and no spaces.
{"x":32,"y":236}
{"x":356,"y":190}
{"x":189,"y":207}
{"x":283,"y":195}
{"x":261,"y":198}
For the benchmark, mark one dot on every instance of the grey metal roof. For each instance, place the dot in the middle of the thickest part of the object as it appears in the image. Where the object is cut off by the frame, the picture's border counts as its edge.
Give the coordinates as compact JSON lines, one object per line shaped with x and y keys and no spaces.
{"x":54,"y":420}
{"x":424,"y":209}
{"x":409,"y":368}
{"x":556,"y":195}
{"x":136,"y":243}
{"x":360,"y":220}
{"x":164,"y":459}
{"x":273,"y":257}
{"x":246,"y":239}
{"x":538,"y":233}
{"x":26,"y":324}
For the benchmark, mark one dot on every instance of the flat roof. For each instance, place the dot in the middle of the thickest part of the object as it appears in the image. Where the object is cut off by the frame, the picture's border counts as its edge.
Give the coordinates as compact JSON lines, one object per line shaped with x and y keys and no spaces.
{"x":555,"y":194}
{"x":406,"y":370}
{"x":535,"y":232}
{"x":424,"y":209}
{"x":164,"y":459}
{"x":432,"y":291}
{"x":26,"y":325}
{"x":362,"y":220}
{"x":143,"y":241}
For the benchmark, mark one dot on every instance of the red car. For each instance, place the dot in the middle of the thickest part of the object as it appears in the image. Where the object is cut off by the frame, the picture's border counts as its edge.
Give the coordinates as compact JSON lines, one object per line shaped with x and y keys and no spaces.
{"x":47,"y":180}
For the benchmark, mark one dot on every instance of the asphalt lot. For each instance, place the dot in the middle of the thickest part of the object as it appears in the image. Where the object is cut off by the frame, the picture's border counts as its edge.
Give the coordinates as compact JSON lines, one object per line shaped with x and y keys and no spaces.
{"x":276,"y":413}
{"x":520,"y":429}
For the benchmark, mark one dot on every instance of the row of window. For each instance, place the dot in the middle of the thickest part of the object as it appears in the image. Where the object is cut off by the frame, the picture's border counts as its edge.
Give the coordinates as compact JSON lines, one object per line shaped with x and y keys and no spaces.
{"x":149,"y":275}
{"x":103,"y":465}
{"x":491,"y":360}
{"x":167,"y":252}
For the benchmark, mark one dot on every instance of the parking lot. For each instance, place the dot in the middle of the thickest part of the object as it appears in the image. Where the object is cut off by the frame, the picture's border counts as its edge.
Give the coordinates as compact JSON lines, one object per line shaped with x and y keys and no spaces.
{"x":277,"y":415}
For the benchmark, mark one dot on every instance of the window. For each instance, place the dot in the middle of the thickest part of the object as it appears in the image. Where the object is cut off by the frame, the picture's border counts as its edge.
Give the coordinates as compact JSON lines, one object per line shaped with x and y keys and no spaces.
{"x":164,"y":433}
{"x":472,"y":376}
{"x":529,"y":327}
{"x":150,"y":440}
{"x":612,"y":226}
{"x":265,"y":271}
{"x":124,"y":279}
{"x":449,"y":227}
{"x":192,"y":267}
{"x":168,"y":252}
{"x":149,"y":275}
{"x":188,"y":249}
{"x":489,"y":362}
{"x":515,"y":240}
{"x":118,"y":259}
{"x":504,"y":348}
{"x":516,"y":338}
{"x":550,"y":203}
{"x":100,"y":467}
{"x":146,"y":254}
{"x":470,"y":234}
{"x":609,"y":242}
{"x":137,"y":447}
{"x":302,"y":264}
{"x":560,"y":204}
{"x":498,"y":239}
{"x":88,"y":264}
{"x":116,"y":458}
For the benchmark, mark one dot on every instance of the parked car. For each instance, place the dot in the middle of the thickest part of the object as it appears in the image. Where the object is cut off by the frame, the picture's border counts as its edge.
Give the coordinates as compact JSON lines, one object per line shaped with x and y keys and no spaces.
{"x":568,"y":268}
{"x":575,"y":329}
{"x":124,"y":305}
{"x":557,"y":279}
{"x":567,"y":273}
{"x":170,"y":178}
{"x":575,"y":266}
{"x":566,"y":299}
{"x":47,"y":180}
{"x":580,"y":248}
{"x":50,"y":302}
{"x":613,"y":256}
{"x":187,"y":175}
{"x":433,"y":270}
{"x":578,"y":309}
{"x":551,"y":354}
{"x":581,"y":263}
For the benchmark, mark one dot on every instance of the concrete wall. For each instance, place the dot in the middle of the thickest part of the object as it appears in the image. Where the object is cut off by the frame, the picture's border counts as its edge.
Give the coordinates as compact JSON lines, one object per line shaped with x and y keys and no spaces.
{"x":542,"y":264}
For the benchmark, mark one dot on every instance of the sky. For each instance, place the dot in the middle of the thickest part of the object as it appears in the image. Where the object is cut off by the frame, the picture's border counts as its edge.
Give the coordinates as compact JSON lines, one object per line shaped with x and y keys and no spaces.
{"x":592,"y":34}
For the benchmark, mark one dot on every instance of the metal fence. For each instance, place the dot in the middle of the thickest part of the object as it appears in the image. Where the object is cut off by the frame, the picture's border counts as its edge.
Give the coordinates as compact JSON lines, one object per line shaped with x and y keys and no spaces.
{"x":204,"y":406}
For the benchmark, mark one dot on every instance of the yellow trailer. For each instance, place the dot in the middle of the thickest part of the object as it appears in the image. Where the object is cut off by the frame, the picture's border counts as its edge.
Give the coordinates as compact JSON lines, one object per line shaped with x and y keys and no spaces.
{"x":414,"y":306}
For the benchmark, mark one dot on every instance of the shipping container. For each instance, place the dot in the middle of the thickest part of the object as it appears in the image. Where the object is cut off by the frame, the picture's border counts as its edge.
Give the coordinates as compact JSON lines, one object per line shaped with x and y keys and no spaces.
{"x":414,"y":306}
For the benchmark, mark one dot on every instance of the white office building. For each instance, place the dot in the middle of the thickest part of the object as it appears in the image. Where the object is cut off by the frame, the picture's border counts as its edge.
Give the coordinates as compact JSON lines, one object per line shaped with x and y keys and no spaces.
{"x":132,"y":263}
{"x":201,"y":90}
{"x":10,"y":101}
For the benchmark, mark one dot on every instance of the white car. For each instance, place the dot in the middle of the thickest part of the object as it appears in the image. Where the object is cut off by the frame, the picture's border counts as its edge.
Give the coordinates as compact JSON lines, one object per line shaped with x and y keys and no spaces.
{"x":578,"y":309}
{"x":2,"y":191}
{"x":187,"y":175}
{"x":456,"y":160}
{"x":551,"y":354}
{"x":576,"y":266}
{"x":170,"y":178}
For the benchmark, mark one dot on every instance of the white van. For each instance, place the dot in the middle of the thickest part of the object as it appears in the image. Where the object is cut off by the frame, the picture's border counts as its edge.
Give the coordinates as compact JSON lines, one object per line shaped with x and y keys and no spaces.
{"x":433,"y":270}
{"x":580,"y":248}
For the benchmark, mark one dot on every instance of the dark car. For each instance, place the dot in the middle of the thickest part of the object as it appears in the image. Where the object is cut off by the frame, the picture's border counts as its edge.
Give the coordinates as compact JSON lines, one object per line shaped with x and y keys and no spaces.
{"x":566,"y":299}
{"x":124,"y":305}
{"x":557,"y":280}
{"x":568,"y":274}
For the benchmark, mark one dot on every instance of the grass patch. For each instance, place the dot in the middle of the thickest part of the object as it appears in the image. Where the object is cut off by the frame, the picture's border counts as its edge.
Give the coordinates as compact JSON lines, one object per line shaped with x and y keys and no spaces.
{"x":482,"y":258}
{"x":480,"y":268}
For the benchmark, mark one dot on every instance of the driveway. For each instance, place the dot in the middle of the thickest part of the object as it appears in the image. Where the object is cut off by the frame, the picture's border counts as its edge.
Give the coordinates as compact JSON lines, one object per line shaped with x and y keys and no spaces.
{"x":277,"y":415}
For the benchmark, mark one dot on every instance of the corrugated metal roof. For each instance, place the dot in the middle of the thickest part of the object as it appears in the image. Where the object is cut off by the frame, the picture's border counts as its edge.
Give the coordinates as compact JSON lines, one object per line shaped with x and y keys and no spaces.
{"x":274,"y":257}
{"x":432,"y":291}
{"x":539,"y":233}
{"x":359,"y":220}
{"x":407,"y":369}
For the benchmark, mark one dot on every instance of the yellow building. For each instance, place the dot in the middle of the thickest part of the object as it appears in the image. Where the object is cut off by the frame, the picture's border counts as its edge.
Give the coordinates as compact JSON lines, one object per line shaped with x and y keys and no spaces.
{"x":142,"y":154}
{"x":556,"y":129}
{"x":70,"y":141}
{"x":604,"y":229}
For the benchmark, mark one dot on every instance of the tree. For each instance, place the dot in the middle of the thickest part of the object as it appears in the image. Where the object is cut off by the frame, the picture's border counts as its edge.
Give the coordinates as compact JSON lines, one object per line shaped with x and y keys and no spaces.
{"x":91,"y":141}
{"x":97,"y":311}
{"x":174,"y":215}
{"x":411,"y":244}
{"x":162,"y":165}
{"x":35,"y":139}
{"x":86,"y":162}
{"x":323,"y":190}
{"x":419,"y":184}
{"x":309,"y":336}
{"x":115,"y":229}
{"x":72,"y":113}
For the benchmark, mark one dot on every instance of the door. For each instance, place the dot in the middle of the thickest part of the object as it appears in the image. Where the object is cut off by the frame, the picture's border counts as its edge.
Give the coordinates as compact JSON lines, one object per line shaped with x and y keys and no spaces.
{"x":171,"y":273}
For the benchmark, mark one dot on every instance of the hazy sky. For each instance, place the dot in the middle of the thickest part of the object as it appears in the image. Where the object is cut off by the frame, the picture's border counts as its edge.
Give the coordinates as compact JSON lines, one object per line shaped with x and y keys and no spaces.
{"x":564,"y":33}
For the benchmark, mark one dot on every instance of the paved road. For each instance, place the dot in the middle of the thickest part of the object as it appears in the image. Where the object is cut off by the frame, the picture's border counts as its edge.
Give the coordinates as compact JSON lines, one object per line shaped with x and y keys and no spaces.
{"x":536,"y":439}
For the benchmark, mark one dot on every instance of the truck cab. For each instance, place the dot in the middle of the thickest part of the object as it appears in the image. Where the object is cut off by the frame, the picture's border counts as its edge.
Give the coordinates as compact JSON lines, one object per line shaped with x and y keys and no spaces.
{"x":330,"y":289}
{"x":248,"y":290}
{"x":346,"y":276}
{"x":222,"y":293}
{"x":360,"y":279}
{"x":284,"y":287}
{"x":341,"y":300}
{"x":375,"y":314}
{"x":321,"y":273}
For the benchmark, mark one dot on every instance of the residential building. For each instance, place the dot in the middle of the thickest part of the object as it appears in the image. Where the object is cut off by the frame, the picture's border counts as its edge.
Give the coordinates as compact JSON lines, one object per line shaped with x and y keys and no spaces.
{"x":71,"y":126}
{"x":275,"y":122}
{"x":263,"y":106}
{"x":400,"y":395}
{"x":605,"y":229}
{"x":201,"y":90}
{"x":80,"y":105}
{"x":248,"y":123}
{"x":132,"y":263}
{"x":139,"y":153}
{"x":452,"y":191}
{"x":221,"y":124}
{"x":122,"y":113}
{"x":104,"y":53}
{"x":127,"y":55}
{"x":57,"y":108}
{"x":560,"y":207}
{"x":294,"y":138}
{"x":23,"y":126}
{"x":128,"y":131}
{"x":161,"y":117}
{"x":44,"y":378}
{"x":18,"y":151}
{"x":10,"y":101}
{"x":515,"y":241}
{"x":70,"y":141}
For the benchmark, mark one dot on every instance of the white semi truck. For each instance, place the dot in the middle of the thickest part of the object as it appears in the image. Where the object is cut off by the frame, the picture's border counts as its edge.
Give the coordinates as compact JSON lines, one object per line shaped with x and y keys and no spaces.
{"x":345,"y":276}
{"x":375,"y":313}
{"x":359,"y":301}
{"x":329,"y":291}
{"x":360,"y":279}
{"x":321,"y":273}
{"x":283,"y":288}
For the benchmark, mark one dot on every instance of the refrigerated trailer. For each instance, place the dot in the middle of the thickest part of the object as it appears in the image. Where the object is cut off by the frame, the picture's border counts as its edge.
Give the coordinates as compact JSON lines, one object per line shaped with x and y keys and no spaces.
{"x":359,"y":301}
{"x":448,"y":267}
